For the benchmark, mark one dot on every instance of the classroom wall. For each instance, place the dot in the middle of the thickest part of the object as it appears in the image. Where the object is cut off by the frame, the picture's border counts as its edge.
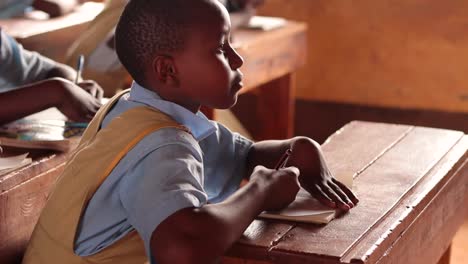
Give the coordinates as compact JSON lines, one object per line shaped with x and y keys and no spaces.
{"x":405,"y":54}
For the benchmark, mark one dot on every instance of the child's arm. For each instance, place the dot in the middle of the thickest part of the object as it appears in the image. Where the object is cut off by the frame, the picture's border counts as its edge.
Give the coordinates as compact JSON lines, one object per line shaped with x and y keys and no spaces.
{"x":64,"y":71}
{"x":315,"y":175}
{"x":70,"y":99}
{"x":26,"y":67}
{"x":200,"y":235}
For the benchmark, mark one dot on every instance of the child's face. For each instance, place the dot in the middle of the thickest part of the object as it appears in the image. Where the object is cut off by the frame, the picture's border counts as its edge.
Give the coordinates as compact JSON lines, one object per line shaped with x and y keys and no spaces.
{"x":208,"y":68}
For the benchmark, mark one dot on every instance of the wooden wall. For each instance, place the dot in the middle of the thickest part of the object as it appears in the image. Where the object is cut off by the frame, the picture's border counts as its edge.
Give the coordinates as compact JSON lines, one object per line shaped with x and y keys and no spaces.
{"x":404,"y":54}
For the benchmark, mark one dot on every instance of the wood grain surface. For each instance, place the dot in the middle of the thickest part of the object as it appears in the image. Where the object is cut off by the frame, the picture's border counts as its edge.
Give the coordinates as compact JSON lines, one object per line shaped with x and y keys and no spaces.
{"x":412,"y":185}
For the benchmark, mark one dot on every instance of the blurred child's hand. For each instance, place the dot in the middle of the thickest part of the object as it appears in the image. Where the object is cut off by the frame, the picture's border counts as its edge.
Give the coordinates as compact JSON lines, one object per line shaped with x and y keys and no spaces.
{"x":92,"y":88}
{"x":77,"y":104}
{"x":281,"y":185}
{"x":316,"y":178}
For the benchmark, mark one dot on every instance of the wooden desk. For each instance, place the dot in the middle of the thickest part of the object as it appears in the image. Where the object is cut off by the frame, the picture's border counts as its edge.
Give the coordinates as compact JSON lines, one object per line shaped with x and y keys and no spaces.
{"x":23,"y":194}
{"x":51,"y":37}
{"x":412,"y":183}
{"x":271,"y":59}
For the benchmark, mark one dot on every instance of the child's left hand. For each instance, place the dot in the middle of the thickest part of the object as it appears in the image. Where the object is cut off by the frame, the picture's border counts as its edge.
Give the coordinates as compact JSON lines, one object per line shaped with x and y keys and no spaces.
{"x":316,"y":178}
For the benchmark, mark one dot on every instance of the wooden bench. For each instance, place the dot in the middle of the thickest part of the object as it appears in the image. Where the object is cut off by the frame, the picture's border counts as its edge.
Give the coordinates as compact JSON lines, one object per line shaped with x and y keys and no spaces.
{"x":411,"y":181}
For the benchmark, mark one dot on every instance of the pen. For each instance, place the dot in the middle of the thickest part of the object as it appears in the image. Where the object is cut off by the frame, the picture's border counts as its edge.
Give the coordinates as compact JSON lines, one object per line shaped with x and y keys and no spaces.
{"x":79,"y":67}
{"x":76,"y":124}
{"x":283,"y":160}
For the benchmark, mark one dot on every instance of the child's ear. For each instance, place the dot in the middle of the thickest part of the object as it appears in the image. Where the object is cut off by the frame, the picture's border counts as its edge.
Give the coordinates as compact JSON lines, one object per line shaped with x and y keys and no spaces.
{"x":165,"y":70}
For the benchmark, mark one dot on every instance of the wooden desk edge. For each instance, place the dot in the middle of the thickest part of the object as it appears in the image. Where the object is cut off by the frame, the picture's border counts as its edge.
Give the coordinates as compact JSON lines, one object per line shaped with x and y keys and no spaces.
{"x":412,"y":205}
{"x":38,"y":167}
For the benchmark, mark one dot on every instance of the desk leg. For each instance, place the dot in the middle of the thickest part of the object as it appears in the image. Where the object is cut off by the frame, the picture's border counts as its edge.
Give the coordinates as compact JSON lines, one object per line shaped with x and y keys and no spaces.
{"x":276,"y":106}
{"x":445,"y":259}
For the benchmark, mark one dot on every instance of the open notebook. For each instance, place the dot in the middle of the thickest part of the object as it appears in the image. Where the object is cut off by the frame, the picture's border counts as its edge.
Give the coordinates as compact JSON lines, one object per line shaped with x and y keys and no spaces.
{"x":45,"y":130}
{"x":306,"y":208}
{"x":8,"y":164}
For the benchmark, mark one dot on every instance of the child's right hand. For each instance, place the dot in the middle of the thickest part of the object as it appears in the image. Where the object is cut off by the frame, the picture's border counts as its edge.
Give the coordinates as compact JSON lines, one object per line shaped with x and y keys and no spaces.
{"x":76,"y":103}
{"x":281,"y":186}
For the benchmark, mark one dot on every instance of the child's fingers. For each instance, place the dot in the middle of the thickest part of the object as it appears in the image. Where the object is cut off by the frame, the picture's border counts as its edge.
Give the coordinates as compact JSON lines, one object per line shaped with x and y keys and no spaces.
{"x":338,"y":201}
{"x":88,"y":87}
{"x":323,"y":197}
{"x":291,"y":169}
{"x":346,"y":190}
{"x":92,"y":88}
{"x":100,"y":94}
{"x":340,"y":193}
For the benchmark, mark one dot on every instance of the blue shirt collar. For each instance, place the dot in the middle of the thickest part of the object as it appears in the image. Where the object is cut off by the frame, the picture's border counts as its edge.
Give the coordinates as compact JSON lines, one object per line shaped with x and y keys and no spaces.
{"x":198,"y":124}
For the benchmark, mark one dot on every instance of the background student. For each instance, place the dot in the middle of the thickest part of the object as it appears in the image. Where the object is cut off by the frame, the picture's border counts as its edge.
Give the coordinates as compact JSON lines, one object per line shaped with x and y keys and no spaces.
{"x":30,"y":83}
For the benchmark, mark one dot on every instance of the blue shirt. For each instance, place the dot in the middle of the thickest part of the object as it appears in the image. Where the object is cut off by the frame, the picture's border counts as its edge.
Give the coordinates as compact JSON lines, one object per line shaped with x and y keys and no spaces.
{"x":165,"y":172}
{"x":11,"y":8}
{"x":19,"y":66}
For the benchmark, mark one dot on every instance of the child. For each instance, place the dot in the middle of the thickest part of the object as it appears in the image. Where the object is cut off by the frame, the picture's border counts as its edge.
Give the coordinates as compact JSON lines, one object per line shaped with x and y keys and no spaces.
{"x":97,"y":43}
{"x":153,"y":179}
{"x":30,"y":83}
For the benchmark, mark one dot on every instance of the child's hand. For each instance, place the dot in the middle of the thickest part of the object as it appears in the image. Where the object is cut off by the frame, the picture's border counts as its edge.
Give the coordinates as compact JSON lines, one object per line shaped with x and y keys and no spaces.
{"x":75,"y":102}
{"x":92,"y":88}
{"x":281,"y":185}
{"x":316,"y":178}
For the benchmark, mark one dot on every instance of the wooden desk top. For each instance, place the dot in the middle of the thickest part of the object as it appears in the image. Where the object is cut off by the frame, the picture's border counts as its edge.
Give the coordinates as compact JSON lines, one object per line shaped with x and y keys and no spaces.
{"x":52,"y":37}
{"x":22,"y":28}
{"x":413,"y":191}
{"x":411,"y":182}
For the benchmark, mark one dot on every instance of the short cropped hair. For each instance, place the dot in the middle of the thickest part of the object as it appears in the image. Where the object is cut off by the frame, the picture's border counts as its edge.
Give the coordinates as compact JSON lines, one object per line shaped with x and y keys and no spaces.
{"x":146,"y":28}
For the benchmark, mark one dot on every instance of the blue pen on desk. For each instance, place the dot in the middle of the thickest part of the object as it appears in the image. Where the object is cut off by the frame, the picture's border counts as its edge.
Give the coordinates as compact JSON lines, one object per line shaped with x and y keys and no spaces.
{"x":76,"y":124}
{"x":79,"y":68}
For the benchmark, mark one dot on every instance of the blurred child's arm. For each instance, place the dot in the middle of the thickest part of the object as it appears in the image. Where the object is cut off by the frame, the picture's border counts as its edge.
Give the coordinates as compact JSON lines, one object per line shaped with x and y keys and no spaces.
{"x":201,"y":235}
{"x":315,"y":177}
{"x":66,"y":72}
{"x":62,"y":71}
{"x":25,"y":67}
{"x":70,"y":99}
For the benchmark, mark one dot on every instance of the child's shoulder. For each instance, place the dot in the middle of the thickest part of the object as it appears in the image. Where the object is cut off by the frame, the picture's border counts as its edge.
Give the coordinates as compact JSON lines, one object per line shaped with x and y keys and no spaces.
{"x":175,"y":136}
